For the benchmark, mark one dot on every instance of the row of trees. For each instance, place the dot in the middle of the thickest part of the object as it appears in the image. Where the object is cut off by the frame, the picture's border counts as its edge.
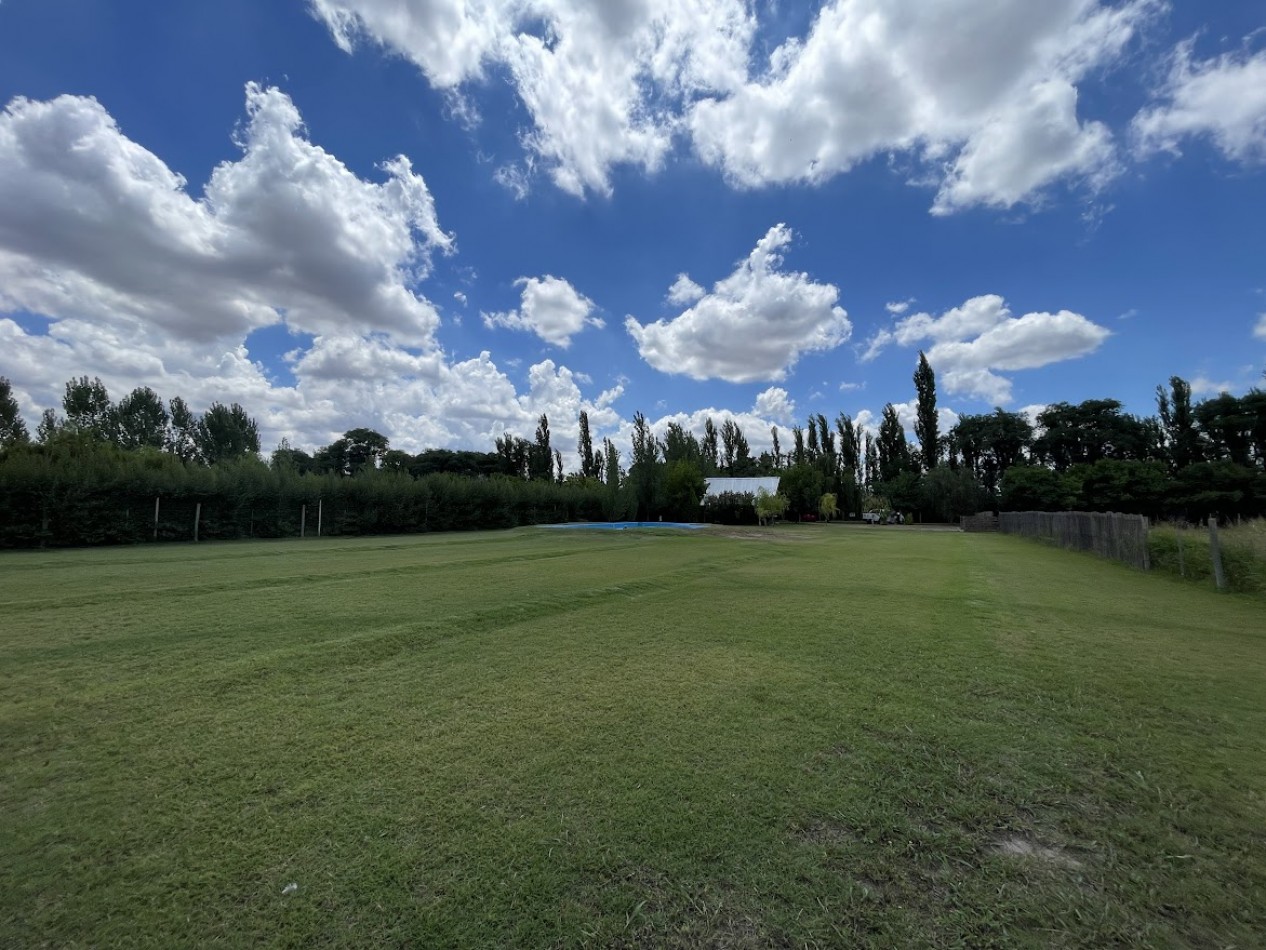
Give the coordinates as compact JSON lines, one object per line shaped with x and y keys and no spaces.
{"x":78,"y":490}
{"x":1190,"y":459}
{"x":139,"y":420}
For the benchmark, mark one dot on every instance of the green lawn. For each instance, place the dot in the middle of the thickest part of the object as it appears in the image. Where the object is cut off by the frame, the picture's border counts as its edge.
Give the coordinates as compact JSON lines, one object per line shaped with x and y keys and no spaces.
{"x":817,"y":736}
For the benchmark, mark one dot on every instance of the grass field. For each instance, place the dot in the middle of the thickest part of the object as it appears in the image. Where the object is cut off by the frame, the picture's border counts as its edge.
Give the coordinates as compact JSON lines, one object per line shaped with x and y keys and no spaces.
{"x":809,"y":736}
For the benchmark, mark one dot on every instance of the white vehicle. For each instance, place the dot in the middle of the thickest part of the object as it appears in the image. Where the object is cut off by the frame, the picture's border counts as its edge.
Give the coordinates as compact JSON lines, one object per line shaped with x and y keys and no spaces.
{"x":872,"y":517}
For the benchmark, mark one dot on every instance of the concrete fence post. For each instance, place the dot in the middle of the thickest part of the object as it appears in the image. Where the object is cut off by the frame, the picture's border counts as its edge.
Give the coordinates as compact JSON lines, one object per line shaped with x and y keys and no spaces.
{"x":1215,"y":553}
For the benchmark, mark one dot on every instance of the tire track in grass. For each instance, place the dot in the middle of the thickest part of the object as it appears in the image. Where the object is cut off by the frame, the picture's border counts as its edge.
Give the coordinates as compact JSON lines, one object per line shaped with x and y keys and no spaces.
{"x":374,"y":645}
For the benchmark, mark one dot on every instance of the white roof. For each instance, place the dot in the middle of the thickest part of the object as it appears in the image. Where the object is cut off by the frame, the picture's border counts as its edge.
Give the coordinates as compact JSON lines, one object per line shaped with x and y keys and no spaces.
{"x":741,"y":486}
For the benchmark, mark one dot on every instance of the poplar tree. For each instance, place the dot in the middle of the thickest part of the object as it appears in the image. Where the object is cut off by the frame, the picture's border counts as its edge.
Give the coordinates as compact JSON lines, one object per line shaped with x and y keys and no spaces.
{"x":1182,"y":438}
{"x":541,"y":459}
{"x":711,"y":457}
{"x":590,"y":467}
{"x":925,"y":421}
{"x":893,"y":453}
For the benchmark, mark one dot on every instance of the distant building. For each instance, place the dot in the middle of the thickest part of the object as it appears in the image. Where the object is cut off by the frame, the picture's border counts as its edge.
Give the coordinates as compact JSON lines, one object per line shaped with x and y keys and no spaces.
{"x":741,"y":486}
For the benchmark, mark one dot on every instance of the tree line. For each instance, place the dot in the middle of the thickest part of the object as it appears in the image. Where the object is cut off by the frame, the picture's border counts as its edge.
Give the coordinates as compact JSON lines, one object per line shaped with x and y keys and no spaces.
{"x":141,"y":470}
{"x":1187,"y":462}
{"x":91,"y":473}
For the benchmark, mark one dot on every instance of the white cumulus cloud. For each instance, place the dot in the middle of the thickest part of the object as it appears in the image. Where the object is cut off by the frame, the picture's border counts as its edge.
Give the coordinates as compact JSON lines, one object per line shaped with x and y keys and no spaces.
{"x":145,"y":285}
{"x":775,"y":403}
{"x":1223,"y":98}
{"x":93,"y":226}
{"x":585,"y":72}
{"x":684,"y":291}
{"x":551,"y":308}
{"x":982,"y":93}
{"x":973,"y":343}
{"x":1023,"y":147}
{"x":1204,"y":386}
{"x":753,"y":325}
{"x":1259,"y":331}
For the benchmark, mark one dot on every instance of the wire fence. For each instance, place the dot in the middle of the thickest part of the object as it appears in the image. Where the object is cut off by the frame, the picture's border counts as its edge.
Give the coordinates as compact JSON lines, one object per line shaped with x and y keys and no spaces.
{"x":1118,"y":537}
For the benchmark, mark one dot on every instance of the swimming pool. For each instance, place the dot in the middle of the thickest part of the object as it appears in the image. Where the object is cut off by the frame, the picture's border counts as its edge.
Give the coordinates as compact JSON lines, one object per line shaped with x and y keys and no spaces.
{"x":623,"y":525}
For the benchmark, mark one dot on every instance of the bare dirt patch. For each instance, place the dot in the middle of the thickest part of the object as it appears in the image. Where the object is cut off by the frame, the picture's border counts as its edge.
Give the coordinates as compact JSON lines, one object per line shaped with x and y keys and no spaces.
{"x":1027,"y":849}
{"x":757,"y":534}
{"x":823,"y":833}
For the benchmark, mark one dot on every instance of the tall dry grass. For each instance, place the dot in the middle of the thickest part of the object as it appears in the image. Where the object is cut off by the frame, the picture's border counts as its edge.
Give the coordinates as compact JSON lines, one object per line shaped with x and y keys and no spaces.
{"x":1185,"y":550}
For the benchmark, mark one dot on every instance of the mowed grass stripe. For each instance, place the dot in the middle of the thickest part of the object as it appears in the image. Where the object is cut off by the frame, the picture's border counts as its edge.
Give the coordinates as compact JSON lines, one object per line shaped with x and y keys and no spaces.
{"x":836,"y":737}
{"x":333,"y":619}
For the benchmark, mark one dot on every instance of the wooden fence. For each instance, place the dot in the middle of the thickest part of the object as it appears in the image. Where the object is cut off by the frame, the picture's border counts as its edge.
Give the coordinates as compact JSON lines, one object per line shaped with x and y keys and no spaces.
{"x":982,"y":521}
{"x":1118,"y":537}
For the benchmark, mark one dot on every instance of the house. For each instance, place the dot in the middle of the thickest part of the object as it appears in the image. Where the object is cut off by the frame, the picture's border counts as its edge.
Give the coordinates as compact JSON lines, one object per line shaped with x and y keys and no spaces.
{"x":740,"y":486}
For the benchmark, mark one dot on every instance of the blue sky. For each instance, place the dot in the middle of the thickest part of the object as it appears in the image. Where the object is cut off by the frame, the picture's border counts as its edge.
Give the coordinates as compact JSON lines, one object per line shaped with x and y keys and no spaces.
{"x":441,"y":219}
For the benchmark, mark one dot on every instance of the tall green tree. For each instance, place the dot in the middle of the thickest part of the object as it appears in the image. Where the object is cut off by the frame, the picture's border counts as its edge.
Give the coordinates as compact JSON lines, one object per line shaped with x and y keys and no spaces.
{"x":680,"y":445}
{"x":88,"y":408}
{"x":736,"y":454}
{"x":1178,"y":422}
{"x":926,"y":425}
{"x":946,"y":494}
{"x":744,"y":464}
{"x":711,"y":453}
{"x":826,"y":438}
{"x":851,"y":456}
{"x":1095,"y":429}
{"x":365,"y":449}
{"x":1036,"y":488}
{"x":891,"y":448}
{"x":684,"y":487}
{"x":142,"y":420}
{"x":286,"y":458}
{"x":610,"y":463}
{"x":802,"y":486}
{"x":12,"y":428}
{"x":541,"y":460}
{"x":989,"y":444}
{"x":615,"y":502}
{"x":590,"y":465}
{"x":514,"y":453}
{"x":182,"y":433}
{"x":1128,"y":486}
{"x":1227,"y":423}
{"x":645,"y":476}
{"x":48,"y":426}
{"x":227,"y":432}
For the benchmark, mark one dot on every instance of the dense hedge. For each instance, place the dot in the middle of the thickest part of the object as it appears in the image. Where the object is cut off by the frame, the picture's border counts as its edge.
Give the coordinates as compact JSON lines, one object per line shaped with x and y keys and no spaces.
{"x":735,"y":508}
{"x":79,"y":492}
